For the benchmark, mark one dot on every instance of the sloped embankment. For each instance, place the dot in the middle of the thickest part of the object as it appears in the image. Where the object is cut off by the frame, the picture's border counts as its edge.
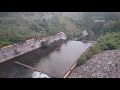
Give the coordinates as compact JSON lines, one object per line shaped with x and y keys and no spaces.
{"x":103,"y":65}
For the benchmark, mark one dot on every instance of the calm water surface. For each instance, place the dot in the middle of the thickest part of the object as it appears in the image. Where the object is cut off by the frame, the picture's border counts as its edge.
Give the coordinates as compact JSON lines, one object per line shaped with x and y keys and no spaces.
{"x":55,"y":63}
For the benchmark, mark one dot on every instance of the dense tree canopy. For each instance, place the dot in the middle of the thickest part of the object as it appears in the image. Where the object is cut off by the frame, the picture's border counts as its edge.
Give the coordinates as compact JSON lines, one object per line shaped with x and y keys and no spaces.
{"x":19,"y":26}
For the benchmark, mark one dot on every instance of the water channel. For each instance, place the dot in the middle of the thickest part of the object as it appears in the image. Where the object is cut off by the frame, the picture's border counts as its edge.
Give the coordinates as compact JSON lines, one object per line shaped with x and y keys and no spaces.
{"x":54,"y":61}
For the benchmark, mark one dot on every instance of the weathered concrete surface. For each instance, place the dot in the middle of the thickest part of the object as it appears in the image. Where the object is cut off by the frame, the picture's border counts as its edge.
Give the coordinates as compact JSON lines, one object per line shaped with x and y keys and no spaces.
{"x":104,"y":65}
{"x":12,"y":51}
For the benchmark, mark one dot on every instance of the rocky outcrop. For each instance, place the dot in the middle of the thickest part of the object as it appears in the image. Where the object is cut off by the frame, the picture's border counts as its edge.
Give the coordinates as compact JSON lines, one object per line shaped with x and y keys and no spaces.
{"x":103,"y":65}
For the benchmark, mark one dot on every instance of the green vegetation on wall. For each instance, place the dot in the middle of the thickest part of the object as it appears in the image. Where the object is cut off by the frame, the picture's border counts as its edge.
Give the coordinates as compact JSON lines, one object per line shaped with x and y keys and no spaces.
{"x":110,"y":41}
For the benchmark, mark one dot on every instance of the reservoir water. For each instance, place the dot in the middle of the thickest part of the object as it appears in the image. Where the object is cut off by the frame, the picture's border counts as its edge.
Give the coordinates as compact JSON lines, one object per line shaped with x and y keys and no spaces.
{"x":54,"y":63}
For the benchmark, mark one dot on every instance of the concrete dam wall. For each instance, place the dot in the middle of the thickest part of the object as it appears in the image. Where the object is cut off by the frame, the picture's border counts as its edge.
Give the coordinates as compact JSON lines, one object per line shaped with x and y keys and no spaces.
{"x":11,"y":51}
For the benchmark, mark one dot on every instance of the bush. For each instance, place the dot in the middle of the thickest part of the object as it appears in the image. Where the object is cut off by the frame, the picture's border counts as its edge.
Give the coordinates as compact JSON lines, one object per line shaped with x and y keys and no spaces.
{"x":110,"y":41}
{"x":16,"y":39}
{"x":107,"y":42}
{"x":110,"y":46}
{"x":89,"y":54}
{"x":82,"y":59}
{"x":4,"y":44}
{"x":45,"y":44}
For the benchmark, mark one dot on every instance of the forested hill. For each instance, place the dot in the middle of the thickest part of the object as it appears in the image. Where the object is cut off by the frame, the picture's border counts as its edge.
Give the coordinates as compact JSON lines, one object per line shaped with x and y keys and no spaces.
{"x":16,"y":27}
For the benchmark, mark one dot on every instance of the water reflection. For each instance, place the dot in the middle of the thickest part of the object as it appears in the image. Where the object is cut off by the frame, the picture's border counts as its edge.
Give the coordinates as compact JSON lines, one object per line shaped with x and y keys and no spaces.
{"x":61,"y":59}
{"x":54,"y":61}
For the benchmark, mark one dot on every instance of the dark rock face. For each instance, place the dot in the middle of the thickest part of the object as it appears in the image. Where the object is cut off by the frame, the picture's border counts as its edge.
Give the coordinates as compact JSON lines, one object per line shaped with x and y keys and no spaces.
{"x":104,"y":65}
